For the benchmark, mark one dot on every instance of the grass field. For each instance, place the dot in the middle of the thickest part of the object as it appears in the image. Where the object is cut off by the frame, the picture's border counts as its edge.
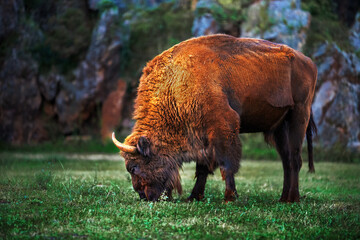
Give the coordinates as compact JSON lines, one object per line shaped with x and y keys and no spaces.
{"x":55,"y":197}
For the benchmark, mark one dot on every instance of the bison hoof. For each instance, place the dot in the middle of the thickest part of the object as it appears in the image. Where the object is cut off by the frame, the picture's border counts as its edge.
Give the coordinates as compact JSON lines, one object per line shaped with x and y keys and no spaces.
{"x":230,"y":196}
{"x":290,"y":198}
{"x":311,"y":170}
{"x":195,"y":197}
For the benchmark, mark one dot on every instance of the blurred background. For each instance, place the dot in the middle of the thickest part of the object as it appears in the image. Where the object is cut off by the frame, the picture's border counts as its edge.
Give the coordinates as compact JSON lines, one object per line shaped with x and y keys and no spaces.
{"x":69,"y":69}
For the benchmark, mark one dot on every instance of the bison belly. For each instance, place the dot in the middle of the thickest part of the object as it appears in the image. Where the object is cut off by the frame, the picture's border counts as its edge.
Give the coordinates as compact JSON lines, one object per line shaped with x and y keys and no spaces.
{"x":260,"y":116}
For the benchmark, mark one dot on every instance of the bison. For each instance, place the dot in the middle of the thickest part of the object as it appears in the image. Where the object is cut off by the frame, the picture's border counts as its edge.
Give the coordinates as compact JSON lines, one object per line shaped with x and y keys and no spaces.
{"x":194,"y":100}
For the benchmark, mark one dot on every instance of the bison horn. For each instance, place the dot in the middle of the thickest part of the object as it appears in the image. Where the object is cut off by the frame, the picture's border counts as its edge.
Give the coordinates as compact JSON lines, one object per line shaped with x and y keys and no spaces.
{"x":123,"y":147}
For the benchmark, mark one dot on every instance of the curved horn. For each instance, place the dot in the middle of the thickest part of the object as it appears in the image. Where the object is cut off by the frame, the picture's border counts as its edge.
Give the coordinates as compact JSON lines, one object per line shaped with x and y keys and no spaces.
{"x":123,"y":147}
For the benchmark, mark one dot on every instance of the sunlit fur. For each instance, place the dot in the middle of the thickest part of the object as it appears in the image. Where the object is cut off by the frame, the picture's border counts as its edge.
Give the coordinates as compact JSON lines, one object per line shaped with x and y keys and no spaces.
{"x":196,"y":97}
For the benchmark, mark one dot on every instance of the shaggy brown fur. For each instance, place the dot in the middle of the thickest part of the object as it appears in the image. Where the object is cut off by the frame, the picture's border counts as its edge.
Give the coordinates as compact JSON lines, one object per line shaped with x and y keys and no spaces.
{"x":196,"y":97}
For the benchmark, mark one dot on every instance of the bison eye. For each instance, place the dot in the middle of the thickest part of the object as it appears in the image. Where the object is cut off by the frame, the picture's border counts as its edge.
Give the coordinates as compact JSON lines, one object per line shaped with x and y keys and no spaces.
{"x":143,"y":147}
{"x":133,"y":169}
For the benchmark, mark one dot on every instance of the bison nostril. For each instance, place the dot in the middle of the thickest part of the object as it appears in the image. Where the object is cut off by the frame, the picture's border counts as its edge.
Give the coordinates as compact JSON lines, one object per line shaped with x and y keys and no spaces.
{"x":142,"y":196}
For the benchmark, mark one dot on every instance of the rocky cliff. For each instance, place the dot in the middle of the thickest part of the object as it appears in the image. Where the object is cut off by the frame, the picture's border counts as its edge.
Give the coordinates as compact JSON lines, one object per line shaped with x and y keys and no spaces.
{"x":71,"y":67}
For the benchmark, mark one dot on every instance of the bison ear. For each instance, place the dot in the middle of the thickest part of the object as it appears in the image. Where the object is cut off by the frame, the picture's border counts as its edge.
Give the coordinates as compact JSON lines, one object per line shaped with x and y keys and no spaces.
{"x":143,"y":146}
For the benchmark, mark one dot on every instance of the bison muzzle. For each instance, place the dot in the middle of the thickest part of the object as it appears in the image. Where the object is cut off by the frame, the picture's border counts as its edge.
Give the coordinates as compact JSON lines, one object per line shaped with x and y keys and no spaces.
{"x":194,"y":100}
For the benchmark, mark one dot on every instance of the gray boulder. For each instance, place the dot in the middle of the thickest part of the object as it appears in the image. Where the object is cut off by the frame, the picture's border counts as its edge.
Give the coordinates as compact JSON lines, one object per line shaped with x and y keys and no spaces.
{"x":355,"y":34}
{"x":280,"y":21}
{"x":97,"y":4}
{"x":111,"y":113}
{"x":95,"y":76}
{"x":336,"y":106}
{"x":49,"y":85}
{"x":204,"y":22}
{"x":204,"y":25}
{"x":123,"y":5}
{"x":10,"y":15}
{"x":20,"y":101}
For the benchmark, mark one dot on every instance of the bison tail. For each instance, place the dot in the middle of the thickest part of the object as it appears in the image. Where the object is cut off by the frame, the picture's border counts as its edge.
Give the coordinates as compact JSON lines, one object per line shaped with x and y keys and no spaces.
{"x":310,"y":131}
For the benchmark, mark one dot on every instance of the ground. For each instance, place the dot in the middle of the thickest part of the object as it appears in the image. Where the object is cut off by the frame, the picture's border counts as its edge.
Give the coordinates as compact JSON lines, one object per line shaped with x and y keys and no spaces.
{"x":60,"y":196}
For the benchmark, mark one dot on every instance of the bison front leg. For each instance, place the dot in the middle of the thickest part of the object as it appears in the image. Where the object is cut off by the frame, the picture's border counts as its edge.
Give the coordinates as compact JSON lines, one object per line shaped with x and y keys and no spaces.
{"x":228,"y":149}
{"x":230,"y":189}
{"x":201,"y":174}
{"x":228,"y":157}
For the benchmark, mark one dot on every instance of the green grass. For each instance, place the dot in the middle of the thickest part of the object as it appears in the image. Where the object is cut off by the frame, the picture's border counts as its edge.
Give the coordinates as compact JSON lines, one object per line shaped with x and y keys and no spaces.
{"x":59,"y":198}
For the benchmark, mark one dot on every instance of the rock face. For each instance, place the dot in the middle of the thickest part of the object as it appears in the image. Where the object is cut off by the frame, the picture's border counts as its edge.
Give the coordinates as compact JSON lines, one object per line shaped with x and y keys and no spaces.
{"x":347,"y":10}
{"x":204,"y":25}
{"x":49,"y":85}
{"x":41,"y":96}
{"x":20,"y":97}
{"x":355,"y":34}
{"x":122,"y":4}
{"x":112,"y":109}
{"x":20,"y":101}
{"x":280,"y":21}
{"x":336,"y":107}
{"x":68,"y":101}
{"x":204,"y":22}
{"x":78,"y":99}
{"x":10,"y":12}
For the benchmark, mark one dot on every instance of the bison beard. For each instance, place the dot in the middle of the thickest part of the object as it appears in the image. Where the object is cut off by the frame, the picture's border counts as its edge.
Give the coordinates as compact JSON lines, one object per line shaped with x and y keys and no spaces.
{"x":194,"y":100}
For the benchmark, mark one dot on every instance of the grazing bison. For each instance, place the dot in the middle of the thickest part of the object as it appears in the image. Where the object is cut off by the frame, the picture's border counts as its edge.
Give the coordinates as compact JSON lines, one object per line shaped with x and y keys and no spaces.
{"x":196,"y":97}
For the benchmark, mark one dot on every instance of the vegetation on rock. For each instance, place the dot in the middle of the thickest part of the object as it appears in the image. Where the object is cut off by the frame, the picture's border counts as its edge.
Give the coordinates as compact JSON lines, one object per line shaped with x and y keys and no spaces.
{"x":153,"y":31}
{"x":325,"y":26}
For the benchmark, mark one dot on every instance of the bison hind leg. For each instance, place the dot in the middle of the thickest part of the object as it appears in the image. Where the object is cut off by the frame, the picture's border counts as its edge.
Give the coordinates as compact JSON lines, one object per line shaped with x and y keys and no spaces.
{"x":288,"y":138}
{"x":281,"y":141}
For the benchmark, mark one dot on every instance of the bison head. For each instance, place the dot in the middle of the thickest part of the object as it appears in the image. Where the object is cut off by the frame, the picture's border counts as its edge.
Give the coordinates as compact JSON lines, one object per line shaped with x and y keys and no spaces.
{"x":152,"y":173}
